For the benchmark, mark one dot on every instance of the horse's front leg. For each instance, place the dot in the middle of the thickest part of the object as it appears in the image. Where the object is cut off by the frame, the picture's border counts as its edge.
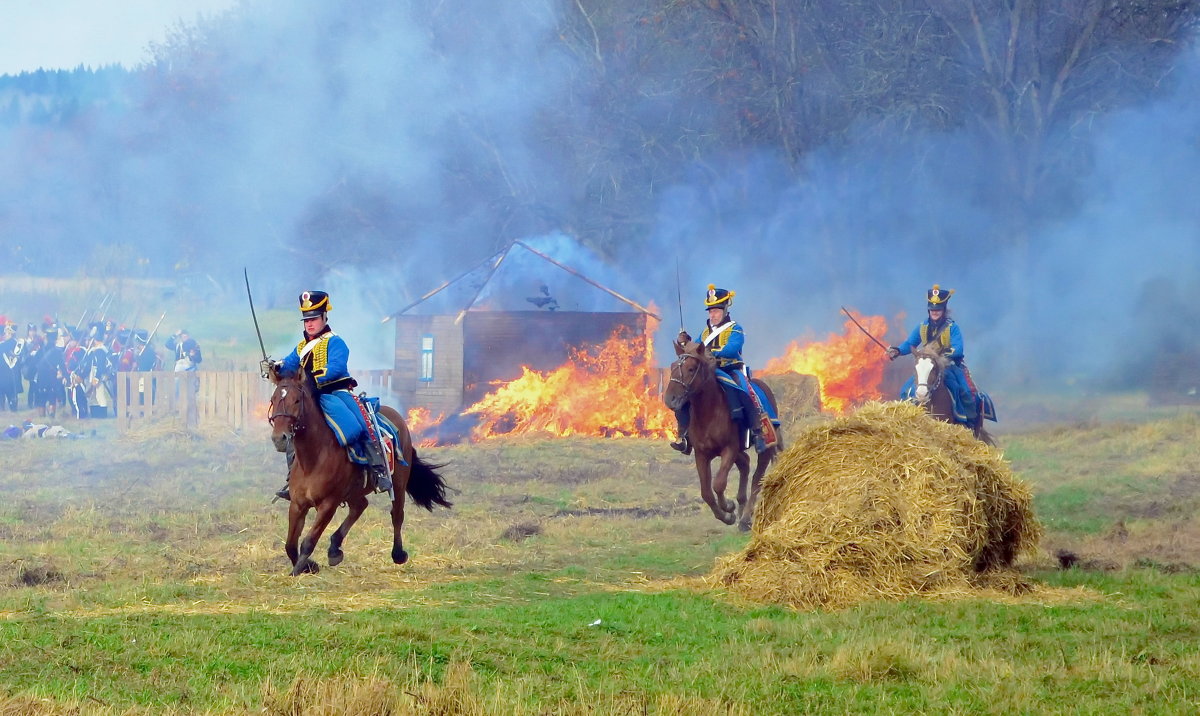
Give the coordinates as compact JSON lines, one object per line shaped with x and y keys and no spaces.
{"x":325,"y":512}
{"x":712,"y":488}
{"x":721,"y":480}
{"x":295,"y":526}
{"x":356,"y":506}
{"x":704,"y":470}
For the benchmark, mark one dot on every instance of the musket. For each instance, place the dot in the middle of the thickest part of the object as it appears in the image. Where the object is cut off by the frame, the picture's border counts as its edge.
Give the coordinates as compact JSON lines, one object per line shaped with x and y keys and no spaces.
{"x":86,"y":311}
{"x":151,"y":336}
{"x":860,"y":327}
{"x":258,"y":332}
{"x":105,"y":307}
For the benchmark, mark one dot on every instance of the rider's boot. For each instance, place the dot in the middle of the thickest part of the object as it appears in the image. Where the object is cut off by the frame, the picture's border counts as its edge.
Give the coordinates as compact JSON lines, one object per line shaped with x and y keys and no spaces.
{"x":683,"y":445}
{"x":377,"y":467}
{"x":756,"y":433}
{"x":282,"y":493}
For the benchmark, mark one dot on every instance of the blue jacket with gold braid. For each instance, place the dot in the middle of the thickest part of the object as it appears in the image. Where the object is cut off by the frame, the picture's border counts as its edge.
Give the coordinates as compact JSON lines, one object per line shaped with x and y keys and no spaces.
{"x":325,"y":357}
{"x":726,"y":346}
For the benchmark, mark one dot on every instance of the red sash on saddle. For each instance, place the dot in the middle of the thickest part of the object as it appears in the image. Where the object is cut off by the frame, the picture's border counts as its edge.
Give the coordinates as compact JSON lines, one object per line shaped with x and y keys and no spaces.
{"x":383,"y":438}
{"x":768,"y":430}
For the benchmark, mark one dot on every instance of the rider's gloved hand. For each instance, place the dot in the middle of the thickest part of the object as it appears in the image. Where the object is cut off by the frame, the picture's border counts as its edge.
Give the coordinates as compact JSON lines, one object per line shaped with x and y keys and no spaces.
{"x":893,"y":352}
{"x":683,"y":337}
{"x":265,"y":366}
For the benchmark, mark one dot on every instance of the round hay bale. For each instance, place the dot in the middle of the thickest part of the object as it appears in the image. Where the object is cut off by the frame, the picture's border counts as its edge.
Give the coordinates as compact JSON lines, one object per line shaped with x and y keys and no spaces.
{"x":885,"y":503}
{"x":798,"y":396}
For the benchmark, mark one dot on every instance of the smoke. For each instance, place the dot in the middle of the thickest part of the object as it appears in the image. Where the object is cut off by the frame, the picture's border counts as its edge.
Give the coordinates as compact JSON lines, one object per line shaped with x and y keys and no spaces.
{"x":342,"y":147}
{"x":1111,"y":273}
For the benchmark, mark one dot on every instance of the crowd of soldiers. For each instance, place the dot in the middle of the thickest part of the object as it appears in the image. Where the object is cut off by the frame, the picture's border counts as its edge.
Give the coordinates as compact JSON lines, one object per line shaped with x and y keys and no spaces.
{"x":60,"y":367}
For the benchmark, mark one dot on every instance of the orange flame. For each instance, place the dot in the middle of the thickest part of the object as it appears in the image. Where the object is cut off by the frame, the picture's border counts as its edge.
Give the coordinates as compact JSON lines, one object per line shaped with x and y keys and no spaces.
{"x":848,"y":368}
{"x":608,"y":391}
{"x":418,"y":421}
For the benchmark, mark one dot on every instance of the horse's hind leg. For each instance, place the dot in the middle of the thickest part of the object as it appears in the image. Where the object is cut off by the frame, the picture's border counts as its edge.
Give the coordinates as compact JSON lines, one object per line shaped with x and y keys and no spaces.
{"x":325,"y":512}
{"x":747,"y":516}
{"x":399,"y":556}
{"x":743,"y":466}
{"x":356,"y":506}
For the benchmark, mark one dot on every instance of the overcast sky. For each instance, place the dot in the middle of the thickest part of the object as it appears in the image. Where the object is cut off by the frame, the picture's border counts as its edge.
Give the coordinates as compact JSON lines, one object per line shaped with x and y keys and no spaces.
{"x":62,"y":34}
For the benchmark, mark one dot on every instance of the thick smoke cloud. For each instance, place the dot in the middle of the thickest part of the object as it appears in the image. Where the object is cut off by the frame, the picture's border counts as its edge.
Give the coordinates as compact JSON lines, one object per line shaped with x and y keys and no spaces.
{"x":871,"y":224}
{"x":338,"y":146}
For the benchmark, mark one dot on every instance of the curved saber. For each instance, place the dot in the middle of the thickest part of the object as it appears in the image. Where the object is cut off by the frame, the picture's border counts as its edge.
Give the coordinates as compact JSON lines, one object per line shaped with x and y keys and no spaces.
{"x":253,"y":315}
{"x":860,"y":327}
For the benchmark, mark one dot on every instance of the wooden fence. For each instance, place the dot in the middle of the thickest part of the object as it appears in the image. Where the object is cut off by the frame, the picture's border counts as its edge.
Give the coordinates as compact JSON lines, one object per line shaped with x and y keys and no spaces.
{"x":232,"y":399}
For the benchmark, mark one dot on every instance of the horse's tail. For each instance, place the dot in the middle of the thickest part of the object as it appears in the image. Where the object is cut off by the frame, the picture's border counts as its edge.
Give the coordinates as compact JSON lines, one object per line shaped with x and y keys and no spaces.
{"x":425,"y":485}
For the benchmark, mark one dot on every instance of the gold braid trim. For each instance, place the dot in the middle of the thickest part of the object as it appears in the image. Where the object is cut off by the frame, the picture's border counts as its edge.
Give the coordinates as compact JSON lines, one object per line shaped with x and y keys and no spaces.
{"x":318,"y":358}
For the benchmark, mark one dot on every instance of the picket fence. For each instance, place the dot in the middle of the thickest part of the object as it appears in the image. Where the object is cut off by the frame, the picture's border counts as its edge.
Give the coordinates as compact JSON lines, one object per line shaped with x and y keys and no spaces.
{"x":219,"y":399}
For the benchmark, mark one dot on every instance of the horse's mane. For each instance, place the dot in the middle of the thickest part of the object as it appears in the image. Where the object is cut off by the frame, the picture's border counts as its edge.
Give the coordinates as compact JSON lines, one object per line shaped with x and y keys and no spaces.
{"x":934,"y":350}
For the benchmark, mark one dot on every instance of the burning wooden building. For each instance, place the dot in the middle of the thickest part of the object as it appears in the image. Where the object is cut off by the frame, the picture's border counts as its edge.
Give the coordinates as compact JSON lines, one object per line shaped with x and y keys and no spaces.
{"x":445,"y":362}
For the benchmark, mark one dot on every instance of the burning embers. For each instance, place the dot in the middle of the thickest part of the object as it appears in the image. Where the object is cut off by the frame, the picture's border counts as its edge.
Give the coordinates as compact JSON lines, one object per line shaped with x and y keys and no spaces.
{"x":848,"y":367}
{"x":609,"y":390}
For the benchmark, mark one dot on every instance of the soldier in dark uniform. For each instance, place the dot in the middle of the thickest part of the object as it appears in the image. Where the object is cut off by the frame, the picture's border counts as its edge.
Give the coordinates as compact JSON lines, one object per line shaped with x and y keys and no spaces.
{"x":187,"y":351}
{"x":96,"y":374}
{"x":10,"y":356}
{"x":49,"y":372}
{"x":724,"y":338}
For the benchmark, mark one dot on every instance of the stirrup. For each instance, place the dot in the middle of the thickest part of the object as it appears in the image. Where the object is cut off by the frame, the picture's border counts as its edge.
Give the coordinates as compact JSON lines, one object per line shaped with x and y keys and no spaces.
{"x":683,"y":445}
{"x":760,"y":443}
{"x":283,"y":494}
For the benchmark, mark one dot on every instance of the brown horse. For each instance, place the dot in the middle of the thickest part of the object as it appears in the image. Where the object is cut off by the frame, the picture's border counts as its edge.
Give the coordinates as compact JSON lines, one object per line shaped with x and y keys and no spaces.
{"x":714,"y":434}
{"x":930,"y":391}
{"x":322,"y":475}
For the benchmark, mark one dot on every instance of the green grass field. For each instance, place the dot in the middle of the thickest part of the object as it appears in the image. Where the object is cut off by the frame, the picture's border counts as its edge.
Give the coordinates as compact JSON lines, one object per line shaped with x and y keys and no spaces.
{"x":146,"y":575}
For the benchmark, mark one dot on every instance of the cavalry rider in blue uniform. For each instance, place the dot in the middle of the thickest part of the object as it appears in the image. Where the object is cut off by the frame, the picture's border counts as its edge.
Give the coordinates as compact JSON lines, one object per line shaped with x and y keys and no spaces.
{"x":324,"y":355}
{"x":724,"y":338}
{"x":939,"y":326}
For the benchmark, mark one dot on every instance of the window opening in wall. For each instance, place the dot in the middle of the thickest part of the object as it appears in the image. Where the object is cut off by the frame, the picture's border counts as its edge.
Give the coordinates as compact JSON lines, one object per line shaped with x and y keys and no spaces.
{"x":426,"y":359}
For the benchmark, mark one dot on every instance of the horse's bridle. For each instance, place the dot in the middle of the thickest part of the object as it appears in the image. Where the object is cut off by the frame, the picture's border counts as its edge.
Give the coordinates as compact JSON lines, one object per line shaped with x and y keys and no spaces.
{"x":297,"y":425}
{"x":930,"y":389}
{"x":687,"y":386}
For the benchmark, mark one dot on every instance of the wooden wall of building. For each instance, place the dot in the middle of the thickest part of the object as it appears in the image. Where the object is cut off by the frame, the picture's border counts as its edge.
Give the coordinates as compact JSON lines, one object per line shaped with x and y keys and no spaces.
{"x":444,"y":393}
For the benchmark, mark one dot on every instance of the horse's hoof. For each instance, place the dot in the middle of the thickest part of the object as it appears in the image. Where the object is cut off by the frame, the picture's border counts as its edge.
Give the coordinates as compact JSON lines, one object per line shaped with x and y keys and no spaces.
{"x":744,"y":525}
{"x":399,"y":556}
{"x":335,"y":558}
{"x":306,"y":566}
{"x":729,"y":518}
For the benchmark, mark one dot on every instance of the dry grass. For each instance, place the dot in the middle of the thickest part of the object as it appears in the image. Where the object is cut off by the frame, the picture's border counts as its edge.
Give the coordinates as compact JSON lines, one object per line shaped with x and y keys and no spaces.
{"x":884,"y":504}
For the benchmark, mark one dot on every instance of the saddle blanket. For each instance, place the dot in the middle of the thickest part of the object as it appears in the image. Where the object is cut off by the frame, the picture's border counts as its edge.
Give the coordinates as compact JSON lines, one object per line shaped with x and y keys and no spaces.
{"x":345,"y":418}
{"x":727,"y":382}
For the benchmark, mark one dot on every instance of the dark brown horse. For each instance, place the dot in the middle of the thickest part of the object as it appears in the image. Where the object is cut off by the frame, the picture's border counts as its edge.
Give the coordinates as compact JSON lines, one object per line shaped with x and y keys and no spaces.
{"x":714,"y":434}
{"x":930,"y":391}
{"x":323,"y":476}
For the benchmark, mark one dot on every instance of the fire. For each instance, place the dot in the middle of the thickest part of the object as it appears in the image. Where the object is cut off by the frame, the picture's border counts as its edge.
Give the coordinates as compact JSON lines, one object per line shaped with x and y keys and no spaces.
{"x":848,"y":368}
{"x":610,"y":390}
{"x":419,"y":419}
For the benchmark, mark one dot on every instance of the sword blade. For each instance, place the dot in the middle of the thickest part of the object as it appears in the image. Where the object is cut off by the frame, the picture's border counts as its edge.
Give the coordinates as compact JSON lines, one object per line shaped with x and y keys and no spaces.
{"x":250,"y":298}
{"x":865,"y":331}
